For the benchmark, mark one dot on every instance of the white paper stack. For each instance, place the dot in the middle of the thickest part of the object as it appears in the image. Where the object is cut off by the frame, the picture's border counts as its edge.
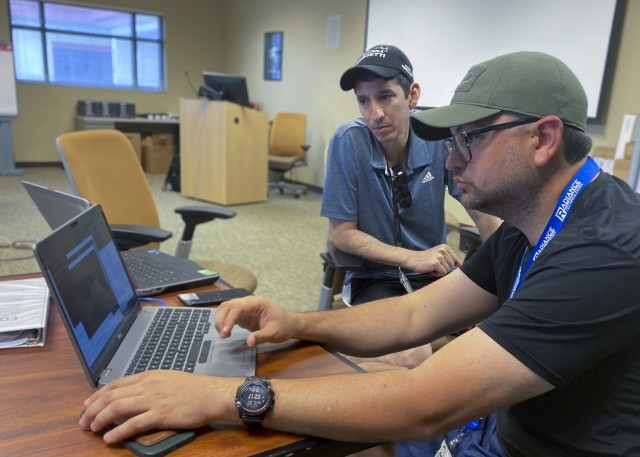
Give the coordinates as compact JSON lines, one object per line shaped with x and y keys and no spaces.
{"x":24,"y":307}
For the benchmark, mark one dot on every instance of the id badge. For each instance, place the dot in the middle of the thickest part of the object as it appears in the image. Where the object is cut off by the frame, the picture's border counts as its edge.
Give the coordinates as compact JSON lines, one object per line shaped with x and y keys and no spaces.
{"x":444,"y":450}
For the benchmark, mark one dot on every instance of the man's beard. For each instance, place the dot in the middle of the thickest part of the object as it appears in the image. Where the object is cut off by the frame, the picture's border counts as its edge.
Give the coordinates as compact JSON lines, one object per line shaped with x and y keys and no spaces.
{"x":509,"y":200}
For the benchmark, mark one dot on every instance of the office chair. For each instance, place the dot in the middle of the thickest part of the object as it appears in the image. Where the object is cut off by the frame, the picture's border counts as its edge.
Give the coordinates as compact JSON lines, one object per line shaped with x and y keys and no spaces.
{"x":335,"y":263}
{"x":102,"y":167}
{"x":287,"y":149}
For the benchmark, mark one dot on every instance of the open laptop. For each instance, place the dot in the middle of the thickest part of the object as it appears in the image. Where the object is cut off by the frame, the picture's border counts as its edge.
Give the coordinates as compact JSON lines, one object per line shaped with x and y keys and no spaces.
{"x":111,"y":332}
{"x":153,"y":272}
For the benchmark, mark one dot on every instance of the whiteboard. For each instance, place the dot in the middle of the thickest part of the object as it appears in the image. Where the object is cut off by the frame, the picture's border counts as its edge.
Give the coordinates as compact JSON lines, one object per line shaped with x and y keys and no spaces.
{"x":8,"y":97}
{"x":444,"y":38}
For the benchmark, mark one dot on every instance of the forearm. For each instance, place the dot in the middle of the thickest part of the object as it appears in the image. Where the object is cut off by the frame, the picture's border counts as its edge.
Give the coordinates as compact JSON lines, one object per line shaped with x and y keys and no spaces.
{"x":330,"y":406}
{"x":416,"y":404}
{"x":437,"y":260}
{"x":349,"y":330}
{"x":367,"y":408}
{"x":363,"y":245}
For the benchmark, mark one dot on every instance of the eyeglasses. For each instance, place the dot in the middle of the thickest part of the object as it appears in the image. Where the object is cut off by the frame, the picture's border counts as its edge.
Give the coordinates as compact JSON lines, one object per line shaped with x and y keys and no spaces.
{"x":460,"y":141}
{"x":400,"y":187}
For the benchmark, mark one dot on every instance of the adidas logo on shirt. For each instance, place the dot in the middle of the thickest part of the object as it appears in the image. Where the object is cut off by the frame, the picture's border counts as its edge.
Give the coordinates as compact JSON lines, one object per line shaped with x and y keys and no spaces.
{"x":428,"y":177}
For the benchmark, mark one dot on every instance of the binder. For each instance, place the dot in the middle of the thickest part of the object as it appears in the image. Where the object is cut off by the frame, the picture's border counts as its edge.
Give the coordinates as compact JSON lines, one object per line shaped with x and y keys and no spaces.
{"x":24,"y":307}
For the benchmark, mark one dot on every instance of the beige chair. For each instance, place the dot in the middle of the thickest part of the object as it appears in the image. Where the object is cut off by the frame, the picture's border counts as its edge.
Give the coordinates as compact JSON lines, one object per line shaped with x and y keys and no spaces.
{"x":102,"y":167}
{"x":287,"y":150}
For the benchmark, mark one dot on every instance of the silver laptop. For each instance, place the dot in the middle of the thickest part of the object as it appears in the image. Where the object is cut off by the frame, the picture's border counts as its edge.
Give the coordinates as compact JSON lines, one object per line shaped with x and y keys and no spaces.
{"x":112,"y":333}
{"x":56,"y":207}
{"x":152,"y":271}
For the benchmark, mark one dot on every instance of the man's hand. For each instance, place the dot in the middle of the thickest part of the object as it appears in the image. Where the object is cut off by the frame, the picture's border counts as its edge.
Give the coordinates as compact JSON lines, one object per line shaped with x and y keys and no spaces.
{"x":436,"y":261}
{"x":267,"y":321}
{"x":159,"y":399}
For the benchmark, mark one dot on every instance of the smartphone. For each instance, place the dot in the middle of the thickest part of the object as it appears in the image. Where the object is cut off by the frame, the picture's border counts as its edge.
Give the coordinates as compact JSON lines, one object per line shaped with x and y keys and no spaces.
{"x":213,"y":297}
{"x":159,"y":443}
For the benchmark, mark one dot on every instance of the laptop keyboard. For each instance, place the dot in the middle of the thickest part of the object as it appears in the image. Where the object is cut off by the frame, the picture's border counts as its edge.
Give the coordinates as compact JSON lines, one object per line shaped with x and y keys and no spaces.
{"x":147,"y":275}
{"x":174,"y":341}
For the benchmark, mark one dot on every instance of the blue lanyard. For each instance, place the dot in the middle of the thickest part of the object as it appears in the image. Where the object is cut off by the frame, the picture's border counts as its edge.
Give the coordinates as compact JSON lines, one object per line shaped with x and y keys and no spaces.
{"x":584,"y":176}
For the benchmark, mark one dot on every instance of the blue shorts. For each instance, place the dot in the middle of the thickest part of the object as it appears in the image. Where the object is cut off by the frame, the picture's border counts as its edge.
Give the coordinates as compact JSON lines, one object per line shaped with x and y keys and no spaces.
{"x":365,"y":290}
{"x":481,"y":442}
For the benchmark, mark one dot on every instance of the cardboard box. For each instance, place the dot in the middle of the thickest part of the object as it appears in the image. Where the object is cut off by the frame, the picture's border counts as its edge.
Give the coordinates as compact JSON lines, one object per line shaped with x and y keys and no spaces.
{"x":604,"y":152}
{"x":628,"y":132}
{"x":621,"y":168}
{"x":604,"y":157}
{"x":136,"y":141}
{"x":628,"y":150}
{"x":157,"y":152}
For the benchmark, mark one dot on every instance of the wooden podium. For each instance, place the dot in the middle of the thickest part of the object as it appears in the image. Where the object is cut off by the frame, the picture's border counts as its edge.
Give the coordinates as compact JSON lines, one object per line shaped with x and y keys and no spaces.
{"x":223,"y":152}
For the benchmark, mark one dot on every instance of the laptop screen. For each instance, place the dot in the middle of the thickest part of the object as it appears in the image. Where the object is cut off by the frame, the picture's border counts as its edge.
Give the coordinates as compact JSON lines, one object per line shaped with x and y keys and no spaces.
{"x":87,"y":277}
{"x":56,"y":207}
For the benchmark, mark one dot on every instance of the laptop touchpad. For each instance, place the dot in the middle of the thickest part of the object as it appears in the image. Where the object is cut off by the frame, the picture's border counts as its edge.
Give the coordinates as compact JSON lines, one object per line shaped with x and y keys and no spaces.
{"x":232,"y":358}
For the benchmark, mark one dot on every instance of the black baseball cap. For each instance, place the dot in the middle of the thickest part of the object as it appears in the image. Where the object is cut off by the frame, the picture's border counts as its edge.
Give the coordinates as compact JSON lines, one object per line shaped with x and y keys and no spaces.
{"x":383,"y":60}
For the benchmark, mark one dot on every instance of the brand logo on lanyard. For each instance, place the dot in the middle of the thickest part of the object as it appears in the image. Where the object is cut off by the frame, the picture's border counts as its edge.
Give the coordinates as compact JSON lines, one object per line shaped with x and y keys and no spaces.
{"x":584,"y":176}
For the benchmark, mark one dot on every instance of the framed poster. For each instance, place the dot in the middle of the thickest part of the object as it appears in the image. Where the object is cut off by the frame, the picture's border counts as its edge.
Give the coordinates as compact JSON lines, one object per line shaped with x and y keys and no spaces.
{"x":273,"y":56}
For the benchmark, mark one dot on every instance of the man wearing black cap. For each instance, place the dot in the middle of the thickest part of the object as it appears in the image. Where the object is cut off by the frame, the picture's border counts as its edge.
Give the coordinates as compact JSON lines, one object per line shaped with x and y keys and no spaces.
{"x":384,"y":187}
{"x":555,"y":361}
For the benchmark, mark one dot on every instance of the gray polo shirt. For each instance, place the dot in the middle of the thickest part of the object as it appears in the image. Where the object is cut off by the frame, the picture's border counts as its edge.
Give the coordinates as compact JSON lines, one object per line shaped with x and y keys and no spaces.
{"x":357,"y":188}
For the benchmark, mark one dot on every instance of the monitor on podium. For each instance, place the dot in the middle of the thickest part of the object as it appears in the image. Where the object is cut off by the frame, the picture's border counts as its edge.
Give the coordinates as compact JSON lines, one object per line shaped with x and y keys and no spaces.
{"x":221,"y":86}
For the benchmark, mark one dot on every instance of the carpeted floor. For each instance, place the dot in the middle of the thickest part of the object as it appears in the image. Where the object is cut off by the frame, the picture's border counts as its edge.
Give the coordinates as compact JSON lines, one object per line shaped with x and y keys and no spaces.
{"x":279,"y":240}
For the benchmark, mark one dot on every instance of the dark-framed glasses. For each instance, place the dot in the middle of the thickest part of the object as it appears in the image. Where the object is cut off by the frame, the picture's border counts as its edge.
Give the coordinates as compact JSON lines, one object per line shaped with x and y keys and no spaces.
{"x":400,"y":185}
{"x":460,"y":141}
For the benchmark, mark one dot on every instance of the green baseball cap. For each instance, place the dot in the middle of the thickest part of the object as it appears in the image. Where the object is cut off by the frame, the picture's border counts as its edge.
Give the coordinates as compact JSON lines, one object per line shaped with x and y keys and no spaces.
{"x":530,"y":83}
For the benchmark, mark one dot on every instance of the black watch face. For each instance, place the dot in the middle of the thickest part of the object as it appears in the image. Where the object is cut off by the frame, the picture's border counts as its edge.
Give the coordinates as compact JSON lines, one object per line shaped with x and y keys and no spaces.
{"x":254,"y":397}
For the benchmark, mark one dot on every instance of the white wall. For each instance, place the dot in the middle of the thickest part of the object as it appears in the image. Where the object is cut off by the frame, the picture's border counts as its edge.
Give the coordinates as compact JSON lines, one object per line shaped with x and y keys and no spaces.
{"x":311,"y":72}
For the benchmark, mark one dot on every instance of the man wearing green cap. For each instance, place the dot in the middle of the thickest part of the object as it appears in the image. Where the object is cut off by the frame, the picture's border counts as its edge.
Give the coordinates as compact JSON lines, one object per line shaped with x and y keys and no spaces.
{"x":553,"y":369}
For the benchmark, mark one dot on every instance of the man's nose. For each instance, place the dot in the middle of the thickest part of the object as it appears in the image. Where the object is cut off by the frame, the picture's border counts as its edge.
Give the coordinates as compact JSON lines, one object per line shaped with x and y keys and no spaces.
{"x":453,"y":161}
{"x":376,"y":111}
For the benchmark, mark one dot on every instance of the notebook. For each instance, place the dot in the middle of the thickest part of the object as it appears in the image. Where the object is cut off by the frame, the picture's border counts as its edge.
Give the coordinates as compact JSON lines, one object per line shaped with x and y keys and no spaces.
{"x":153,"y":272}
{"x":110,"y":330}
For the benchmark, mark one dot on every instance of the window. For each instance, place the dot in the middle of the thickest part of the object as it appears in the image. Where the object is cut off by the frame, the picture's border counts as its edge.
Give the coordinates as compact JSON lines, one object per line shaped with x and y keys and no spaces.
{"x":81,"y":46}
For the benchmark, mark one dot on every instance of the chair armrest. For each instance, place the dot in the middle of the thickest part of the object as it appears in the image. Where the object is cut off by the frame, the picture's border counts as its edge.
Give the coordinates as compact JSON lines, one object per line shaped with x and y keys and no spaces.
{"x":194,"y":215}
{"x":343,"y":260}
{"x":305,"y":148}
{"x":129,"y":236}
{"x":201,"y":214}
{"x":469,"y":239}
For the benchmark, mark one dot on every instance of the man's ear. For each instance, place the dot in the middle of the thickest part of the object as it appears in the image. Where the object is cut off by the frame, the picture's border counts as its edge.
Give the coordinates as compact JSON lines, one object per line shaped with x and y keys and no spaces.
{"x":549,"y":134}
{"x":414,"y":95}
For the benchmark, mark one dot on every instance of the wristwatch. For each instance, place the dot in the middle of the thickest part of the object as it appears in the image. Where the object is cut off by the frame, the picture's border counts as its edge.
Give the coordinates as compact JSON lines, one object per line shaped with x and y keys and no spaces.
{"x":254,"y":399}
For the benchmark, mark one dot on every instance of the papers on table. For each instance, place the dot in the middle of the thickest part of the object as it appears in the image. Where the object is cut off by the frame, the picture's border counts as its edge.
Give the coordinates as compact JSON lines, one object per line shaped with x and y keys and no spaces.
{"x":24,"y":306}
